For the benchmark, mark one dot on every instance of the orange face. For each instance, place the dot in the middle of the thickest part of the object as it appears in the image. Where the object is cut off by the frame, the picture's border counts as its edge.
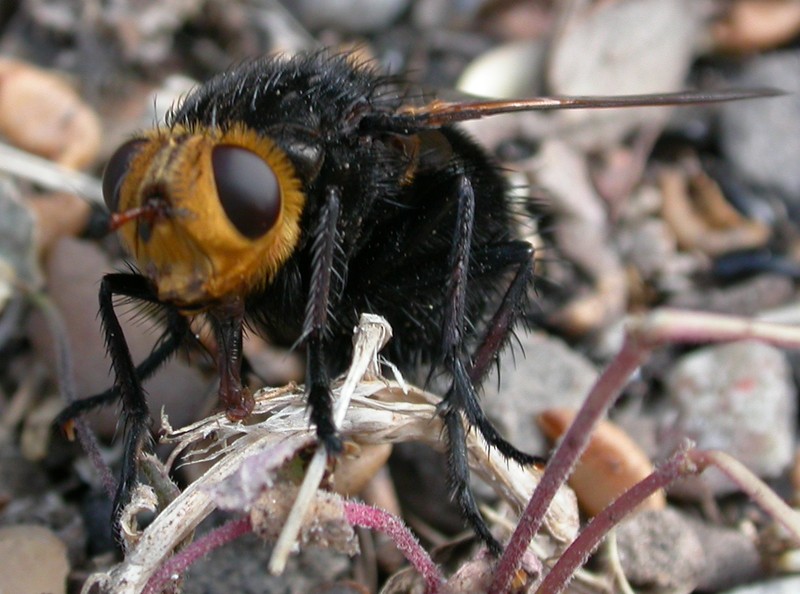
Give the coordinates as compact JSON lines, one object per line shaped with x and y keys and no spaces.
{"x":206,"y":213}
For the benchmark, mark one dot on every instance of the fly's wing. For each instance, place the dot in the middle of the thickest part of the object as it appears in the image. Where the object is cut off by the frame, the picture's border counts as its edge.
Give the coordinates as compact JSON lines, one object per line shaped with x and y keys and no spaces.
{"x":439,"y":113}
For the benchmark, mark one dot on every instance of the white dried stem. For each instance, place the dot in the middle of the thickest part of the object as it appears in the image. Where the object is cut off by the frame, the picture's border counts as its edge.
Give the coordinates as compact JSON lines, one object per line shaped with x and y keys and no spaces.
{"x":371,"y":334}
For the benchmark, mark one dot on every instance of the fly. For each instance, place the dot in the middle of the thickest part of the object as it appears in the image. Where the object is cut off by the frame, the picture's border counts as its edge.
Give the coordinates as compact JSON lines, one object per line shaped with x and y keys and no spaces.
{"x":292,"y":195}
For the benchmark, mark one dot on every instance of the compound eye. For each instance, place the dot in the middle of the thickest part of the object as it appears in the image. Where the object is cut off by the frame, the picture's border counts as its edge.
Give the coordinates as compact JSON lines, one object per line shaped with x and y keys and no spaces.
{"x":116,"y":170}
{"x":247,"y":188}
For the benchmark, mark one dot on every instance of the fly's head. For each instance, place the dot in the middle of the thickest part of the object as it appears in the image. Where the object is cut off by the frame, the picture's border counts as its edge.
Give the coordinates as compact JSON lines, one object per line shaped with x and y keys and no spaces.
{"x":206,"y":213}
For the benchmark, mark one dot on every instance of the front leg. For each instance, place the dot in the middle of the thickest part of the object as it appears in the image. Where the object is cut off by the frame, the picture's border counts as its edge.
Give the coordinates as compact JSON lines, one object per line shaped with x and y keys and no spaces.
{"x":135,"y":412}
{"x":175,"y":334}
{"x":315,"y":325}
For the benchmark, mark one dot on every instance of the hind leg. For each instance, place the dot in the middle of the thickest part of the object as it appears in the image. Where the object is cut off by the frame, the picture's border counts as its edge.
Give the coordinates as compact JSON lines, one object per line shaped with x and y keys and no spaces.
{"x":462,"y":398}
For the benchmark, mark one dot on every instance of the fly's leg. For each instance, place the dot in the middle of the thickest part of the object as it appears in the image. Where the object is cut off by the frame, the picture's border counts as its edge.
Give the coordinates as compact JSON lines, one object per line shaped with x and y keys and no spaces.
{"x":316,"y":322}
{"x":461,"y":398}
{"x":497,"y":334}
{"x":455,"y":401}
{"x":135,"y":412}
{"x":172,"y":338}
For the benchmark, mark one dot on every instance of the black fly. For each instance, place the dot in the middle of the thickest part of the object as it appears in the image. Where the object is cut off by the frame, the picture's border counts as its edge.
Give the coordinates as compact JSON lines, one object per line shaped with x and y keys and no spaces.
{"x":292,"y":195}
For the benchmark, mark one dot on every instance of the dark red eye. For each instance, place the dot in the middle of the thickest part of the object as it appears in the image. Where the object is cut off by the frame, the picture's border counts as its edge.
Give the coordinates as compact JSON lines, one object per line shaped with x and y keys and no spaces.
{"x":248,"y":190}
{"x":117,"y":169}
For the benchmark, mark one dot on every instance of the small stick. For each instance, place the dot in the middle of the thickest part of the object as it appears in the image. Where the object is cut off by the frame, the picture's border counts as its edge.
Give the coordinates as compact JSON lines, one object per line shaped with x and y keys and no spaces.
{"x":372,"y":333}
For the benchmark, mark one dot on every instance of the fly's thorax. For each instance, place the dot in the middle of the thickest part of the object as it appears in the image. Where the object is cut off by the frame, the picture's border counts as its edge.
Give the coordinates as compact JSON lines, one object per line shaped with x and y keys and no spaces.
{"x":206,"y":213}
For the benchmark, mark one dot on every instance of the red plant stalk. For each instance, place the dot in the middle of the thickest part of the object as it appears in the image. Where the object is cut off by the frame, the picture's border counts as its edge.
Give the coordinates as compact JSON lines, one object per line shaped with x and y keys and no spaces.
{"x":357,"y":514}
{"x":367,"y":516}
{"x":684,"y":462}
{"x":569,"y":451}
{"x":644,"y":334}
{"x":590,"y":537}
{"x":177,"y":564}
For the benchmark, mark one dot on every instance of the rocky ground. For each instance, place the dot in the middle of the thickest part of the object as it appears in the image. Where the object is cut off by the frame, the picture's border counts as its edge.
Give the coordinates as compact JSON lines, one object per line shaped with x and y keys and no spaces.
{"x":694,"y":208}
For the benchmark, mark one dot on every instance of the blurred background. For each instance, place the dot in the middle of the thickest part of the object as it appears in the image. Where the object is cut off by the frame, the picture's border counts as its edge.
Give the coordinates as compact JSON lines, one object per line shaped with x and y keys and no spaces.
{"x":693,"y":207}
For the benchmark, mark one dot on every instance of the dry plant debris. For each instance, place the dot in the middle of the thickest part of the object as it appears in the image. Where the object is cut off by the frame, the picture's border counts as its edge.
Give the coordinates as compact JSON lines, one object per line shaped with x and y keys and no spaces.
{"x":248,"y":473}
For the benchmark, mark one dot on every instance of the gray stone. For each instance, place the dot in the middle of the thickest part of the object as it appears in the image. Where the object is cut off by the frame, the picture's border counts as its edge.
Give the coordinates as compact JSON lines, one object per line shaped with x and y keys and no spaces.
{"x":763,"y":144}
{"x":544,"y":373}
{"x":659,"y":550}
{"x":34,"y":560}
{"x":739,"y":398}
{"x":355,"y":16}
{"x":788,"y":585}
{"x":241,"y":566}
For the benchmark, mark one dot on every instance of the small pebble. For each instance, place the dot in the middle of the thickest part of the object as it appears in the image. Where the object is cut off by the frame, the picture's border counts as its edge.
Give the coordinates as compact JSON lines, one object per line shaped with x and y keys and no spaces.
{"x":48,"y":508}
{"x":659,"y":550}
{"x":668,"y":551}
{"x":34,"y":561}
{"x":241,"y":566}
{"x":354,"y":16}
{"x":787,"y":585}
{"x":739,"y":398}
{"x":507,"y":71}
{"x":763,"y":144}
{"x":648,"y":246}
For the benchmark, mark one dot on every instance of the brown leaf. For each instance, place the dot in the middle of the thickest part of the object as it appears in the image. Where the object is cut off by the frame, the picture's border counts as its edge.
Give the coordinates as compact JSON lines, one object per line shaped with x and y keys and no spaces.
{"x":324,"y":525}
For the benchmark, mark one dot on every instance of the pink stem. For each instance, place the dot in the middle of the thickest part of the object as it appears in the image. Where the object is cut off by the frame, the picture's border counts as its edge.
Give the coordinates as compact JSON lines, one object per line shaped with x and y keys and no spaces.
{"x":367,"y":516}
{"x":572,"y":446}
{"x":178,"y":563}
{"x":594,"y":532}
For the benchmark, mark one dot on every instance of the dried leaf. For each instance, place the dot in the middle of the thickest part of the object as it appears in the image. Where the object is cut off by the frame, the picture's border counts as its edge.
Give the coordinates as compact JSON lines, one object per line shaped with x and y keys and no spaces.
{"x":712,"y":232}
{"x":324,"y":524}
